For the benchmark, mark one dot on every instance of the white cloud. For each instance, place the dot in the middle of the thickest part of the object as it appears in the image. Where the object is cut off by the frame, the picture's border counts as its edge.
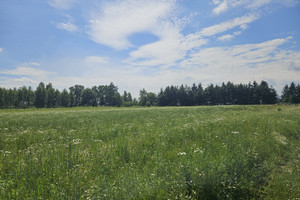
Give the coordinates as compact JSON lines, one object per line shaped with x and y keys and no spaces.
{"x":236,"y":56}
{"x":167,"y":51}
{"x":222,"y":7}
{"x":97,"y":59}
{"x":229,"y":36}
{"x":173,"y":46}
{"x":26,"y":74}
{"x":62,"y":4}
{"x":17,"y":82}
{"x":67,"y":26}
{"x":116,"y":21}
{"x":219,"y":28}
{"x":225,"y":5}
{"x":242,"y":63}
{"x":226,"y":37}
{"x":27,"y":69}
{"x":289,"y":3}
{"x":1,"y":49}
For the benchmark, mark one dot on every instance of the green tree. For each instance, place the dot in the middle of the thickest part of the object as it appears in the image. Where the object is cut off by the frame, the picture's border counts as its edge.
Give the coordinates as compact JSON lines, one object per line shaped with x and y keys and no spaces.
{"x":110,"y":94}
{"x":2,"y":94}
{"x":182,"y":96}
{"x":50,"y":96}
{"x":267,"y":94}
{"x":30,"y":97}
{"x":168,"y":97}
{"x":77,"y":91}
{"x":151,"y":99}
{"x":40,"y":96}
{"x":292,"y":93}
{"x":101,"y":94}
{"x":88,"y":97}
{"x":199,"y":95}
{"x":23,"y":94}
{"x":65,"y":98}
{"x":72,"y":99}
{"x":285,"y":94}
{"x":210,"y":95}
{"x":117,"y":100}
{"x":297,"y":98}
{"x":143,"y":97}
{"x":127,"y":99}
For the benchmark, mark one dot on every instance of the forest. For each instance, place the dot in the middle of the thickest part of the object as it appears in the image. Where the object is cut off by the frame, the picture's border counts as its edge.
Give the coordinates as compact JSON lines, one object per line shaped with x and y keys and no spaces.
{"x":46,"y":96}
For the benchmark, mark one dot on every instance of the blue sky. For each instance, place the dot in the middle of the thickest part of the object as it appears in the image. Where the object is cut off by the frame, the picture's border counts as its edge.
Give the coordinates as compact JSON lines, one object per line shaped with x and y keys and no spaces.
{"x":148,"y":44}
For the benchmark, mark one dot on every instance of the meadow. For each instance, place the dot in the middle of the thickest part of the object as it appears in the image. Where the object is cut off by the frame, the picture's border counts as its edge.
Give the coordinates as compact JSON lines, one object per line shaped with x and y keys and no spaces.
{"x":205,"y":152}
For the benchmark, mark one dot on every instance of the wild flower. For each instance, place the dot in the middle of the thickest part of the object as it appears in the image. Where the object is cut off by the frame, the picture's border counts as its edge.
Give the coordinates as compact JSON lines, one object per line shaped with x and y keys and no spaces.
{"x":181,"y":154}
{"x":235,"y":132}
{"x":280,"y":138}
{"x":77,"y":141}
{"x":198,"y":150}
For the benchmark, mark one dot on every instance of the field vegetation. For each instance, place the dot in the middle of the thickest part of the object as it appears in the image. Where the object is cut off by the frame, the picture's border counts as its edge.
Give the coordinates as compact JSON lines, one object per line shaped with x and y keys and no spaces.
{"x":205,"y":152}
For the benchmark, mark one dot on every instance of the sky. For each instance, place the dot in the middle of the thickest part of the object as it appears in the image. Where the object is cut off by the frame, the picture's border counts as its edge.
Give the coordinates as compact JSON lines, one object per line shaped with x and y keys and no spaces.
{"x":148,"y":44}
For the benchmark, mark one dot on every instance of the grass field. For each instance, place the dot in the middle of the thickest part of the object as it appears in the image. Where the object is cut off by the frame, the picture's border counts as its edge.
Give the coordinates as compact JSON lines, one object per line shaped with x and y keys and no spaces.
{"x":217,"y":152}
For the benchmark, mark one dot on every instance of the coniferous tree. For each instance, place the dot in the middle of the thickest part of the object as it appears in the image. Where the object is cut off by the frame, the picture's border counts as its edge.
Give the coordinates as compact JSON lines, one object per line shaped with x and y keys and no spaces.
{"x":199,"y":95}
{"x":40,"y":96}
{"x":2,"y":99}
{"x":267,"y":94}
{"x":297,"y":98}
{"x":285,"y":94}
{"x":292,"y":93}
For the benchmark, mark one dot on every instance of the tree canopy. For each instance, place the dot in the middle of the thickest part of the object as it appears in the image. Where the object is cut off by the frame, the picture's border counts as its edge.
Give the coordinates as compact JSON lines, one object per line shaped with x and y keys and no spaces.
{"x":46,"y":96}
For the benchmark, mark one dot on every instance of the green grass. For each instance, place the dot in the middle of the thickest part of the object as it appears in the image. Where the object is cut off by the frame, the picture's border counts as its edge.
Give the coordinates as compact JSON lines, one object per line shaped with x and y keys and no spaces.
{"x":217,"y":152}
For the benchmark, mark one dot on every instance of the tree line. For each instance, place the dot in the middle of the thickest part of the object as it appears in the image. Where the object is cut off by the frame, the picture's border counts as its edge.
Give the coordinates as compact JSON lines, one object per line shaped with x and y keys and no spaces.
{"x":45,"y":96}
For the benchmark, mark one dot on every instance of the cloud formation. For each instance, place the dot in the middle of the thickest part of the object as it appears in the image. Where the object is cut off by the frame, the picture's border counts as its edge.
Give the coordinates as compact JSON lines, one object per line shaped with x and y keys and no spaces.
{"x":175,"y":46}
{"x":62,"y":4}
{"x":97,"y":59}
{"x":27,"y":71}
{"x":120,"y":19}
{"x":68,"y":26}
{"x":225,"y":5}
{"x":220,"y":28}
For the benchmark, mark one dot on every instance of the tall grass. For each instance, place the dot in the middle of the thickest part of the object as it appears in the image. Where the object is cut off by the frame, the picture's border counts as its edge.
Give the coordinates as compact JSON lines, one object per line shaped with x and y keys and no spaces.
{"x":221,"y":152}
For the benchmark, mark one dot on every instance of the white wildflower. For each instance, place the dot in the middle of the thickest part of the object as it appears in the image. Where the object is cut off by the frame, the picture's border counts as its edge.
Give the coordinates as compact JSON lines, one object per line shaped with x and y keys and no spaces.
{"x":235,"y":132}
{"x":77,"y":141}
{"x":198,"y":150}
{"x":181,"y":154}
{"x":280,"y":138}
